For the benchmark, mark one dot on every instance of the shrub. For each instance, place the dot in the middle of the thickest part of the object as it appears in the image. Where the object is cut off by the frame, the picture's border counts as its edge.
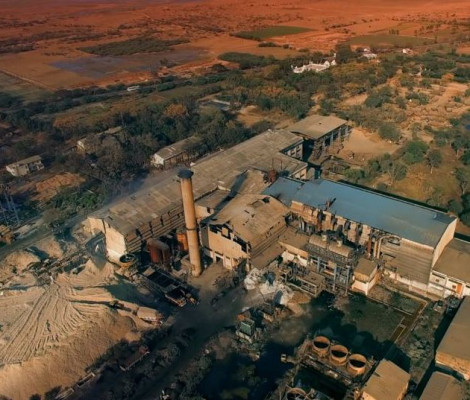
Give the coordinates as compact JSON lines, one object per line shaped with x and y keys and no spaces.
{"x":415,"y":151}
{"x":389,"y":131}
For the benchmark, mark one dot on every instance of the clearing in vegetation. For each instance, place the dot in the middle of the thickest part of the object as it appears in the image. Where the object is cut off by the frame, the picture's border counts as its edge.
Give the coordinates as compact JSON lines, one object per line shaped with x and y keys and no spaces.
{"x":272,"y":31}
{"x":390,"y":40}
{"x":133,"y":46}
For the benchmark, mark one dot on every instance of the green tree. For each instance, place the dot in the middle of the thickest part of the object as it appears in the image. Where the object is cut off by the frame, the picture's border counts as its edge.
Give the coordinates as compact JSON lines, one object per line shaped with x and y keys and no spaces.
{"x":465,"y":218}
{"x":459,"y":144}
{"x":455,"y":206}
{"x":354,"y":175}
{"x":389,"y":131}
{"x":466,"y":157}
{"x":344,"y":53}
{"x":395,"y":170}
{"x":415,"y":150}
{"x":434,"y":159}
{"x":463,"y":177}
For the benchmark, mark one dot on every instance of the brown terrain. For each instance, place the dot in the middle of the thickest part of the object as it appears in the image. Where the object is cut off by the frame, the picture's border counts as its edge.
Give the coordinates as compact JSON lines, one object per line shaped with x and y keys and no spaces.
{"x":58,"y":29}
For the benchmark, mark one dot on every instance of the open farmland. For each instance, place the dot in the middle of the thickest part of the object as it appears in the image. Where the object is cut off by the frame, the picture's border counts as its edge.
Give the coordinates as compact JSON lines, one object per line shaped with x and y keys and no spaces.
{"x":133,"y":46}
{"x":388,"y":40}
{"x":266,"y":33}
{"x":19,"y":87}
{"x":54,"y":38}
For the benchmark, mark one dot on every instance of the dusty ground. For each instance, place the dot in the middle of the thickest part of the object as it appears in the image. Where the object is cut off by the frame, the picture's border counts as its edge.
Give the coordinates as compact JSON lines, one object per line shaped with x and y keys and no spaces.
{"x":363,"y":145}
{"x":57,"y":61}
{"x":51,"y":330}
{"x":48,"y":188}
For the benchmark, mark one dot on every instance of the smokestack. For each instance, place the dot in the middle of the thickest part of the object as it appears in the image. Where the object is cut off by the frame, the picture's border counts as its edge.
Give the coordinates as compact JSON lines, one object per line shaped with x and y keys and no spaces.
{"x":190,"y":220}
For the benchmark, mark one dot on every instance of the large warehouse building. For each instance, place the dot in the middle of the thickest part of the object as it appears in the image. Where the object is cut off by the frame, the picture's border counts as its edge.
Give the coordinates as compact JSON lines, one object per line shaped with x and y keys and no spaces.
{"x":405,"y":238}
{"x":253,"y":204}
{"x":156,"y":211}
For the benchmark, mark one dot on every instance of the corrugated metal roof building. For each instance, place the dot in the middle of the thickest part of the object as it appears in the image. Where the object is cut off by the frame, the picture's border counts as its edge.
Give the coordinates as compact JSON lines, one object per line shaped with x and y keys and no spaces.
{"x":388,"y":382}
{"x":407,"y":220}
{"x":316,"y":126}
{"x":454,"y":350}
{"x":442,"y":387}
{"x":407,"y":236}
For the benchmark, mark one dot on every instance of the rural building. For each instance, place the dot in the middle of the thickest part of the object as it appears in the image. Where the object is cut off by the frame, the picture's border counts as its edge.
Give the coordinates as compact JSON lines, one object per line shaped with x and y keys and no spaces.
{"x":388,"y":382}
{"x":157,"y":210}
{"x":366,"y":53}
{"x":346,"y":221}
{"x":180,"y":152}
{"x":442,"y":387}
{"x":451,"y":274}
{"x":313,"y":67}
{"x":26,"y":166}
{"x":243,"y":229}
{"x":93,"y":142}
{"x":453,"y":352}
{"x":321,"y":132}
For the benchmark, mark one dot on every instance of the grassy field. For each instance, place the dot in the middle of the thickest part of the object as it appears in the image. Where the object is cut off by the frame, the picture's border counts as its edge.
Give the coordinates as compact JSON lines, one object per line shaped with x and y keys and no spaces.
{"x":132,"y":46}
{"x":390,"y":40}
{"x":17,"y":87}
{"x":272,"y":31}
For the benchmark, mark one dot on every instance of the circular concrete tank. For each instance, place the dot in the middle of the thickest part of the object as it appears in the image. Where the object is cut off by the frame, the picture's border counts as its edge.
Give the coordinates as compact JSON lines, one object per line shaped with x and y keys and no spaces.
{"x":338,"y":354}
{"x":357,"y":364}
{"x":127,"y":260}
{"x":296,"y":394}
{"x":321,"y":345}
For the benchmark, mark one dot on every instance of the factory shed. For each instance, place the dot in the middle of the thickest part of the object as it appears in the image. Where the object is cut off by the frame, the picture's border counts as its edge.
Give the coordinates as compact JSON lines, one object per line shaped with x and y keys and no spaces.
{"x":442,"y":387}
{"x":316,"y":126}
{"x":407,"y":220}
{"x":247,"y":227}
{"x":407,"y":237}
{"x":388,"y":382}
{"x":453,"y":352}
{"x":26,"y":166}
{"x":451,"y":274}
{"x":183,"y":151}
{"x":321,"y":132}
{"x":157,"y":209}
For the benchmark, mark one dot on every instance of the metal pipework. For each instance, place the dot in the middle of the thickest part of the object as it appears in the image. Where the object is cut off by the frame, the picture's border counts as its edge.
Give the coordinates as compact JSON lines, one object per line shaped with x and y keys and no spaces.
{"x":190,"y":220}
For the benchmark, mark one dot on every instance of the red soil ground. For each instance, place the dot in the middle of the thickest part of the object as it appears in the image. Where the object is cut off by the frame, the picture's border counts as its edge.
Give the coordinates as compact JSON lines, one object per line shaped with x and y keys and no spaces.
{"x":206,"y":24}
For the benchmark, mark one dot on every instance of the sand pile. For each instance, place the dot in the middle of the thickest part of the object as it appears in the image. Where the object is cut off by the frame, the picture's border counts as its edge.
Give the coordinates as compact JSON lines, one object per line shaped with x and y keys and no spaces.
{"x":51,"y":247}
{"x":51,"y":333}
{"x":16,"y":262}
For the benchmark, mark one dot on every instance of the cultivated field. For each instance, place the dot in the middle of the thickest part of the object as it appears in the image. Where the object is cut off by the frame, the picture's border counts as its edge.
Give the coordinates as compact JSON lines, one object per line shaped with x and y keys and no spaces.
{"x":272,"y":31}
{"x":48,"y":43}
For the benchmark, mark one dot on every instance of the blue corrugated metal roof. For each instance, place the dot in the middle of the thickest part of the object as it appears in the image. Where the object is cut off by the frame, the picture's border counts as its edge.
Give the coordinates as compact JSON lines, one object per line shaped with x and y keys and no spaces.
{"x":407,"y":220}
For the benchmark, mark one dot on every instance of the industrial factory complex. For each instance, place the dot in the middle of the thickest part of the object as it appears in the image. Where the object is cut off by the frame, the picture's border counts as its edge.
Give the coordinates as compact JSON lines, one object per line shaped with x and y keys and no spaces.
{"x":258,"y":202}
{"x":261,"y":209}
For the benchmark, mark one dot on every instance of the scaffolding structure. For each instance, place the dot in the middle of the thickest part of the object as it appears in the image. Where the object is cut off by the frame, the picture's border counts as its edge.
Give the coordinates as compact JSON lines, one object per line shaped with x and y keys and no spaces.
{"x":8,"y":211}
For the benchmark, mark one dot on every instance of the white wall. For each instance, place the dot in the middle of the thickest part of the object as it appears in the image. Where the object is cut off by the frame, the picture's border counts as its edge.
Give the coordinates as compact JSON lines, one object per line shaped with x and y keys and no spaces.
{"x":445,"y":239}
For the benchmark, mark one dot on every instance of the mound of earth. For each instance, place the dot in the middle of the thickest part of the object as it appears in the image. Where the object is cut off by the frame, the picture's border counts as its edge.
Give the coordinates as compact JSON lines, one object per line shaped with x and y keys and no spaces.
{"x":51,"y":333}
